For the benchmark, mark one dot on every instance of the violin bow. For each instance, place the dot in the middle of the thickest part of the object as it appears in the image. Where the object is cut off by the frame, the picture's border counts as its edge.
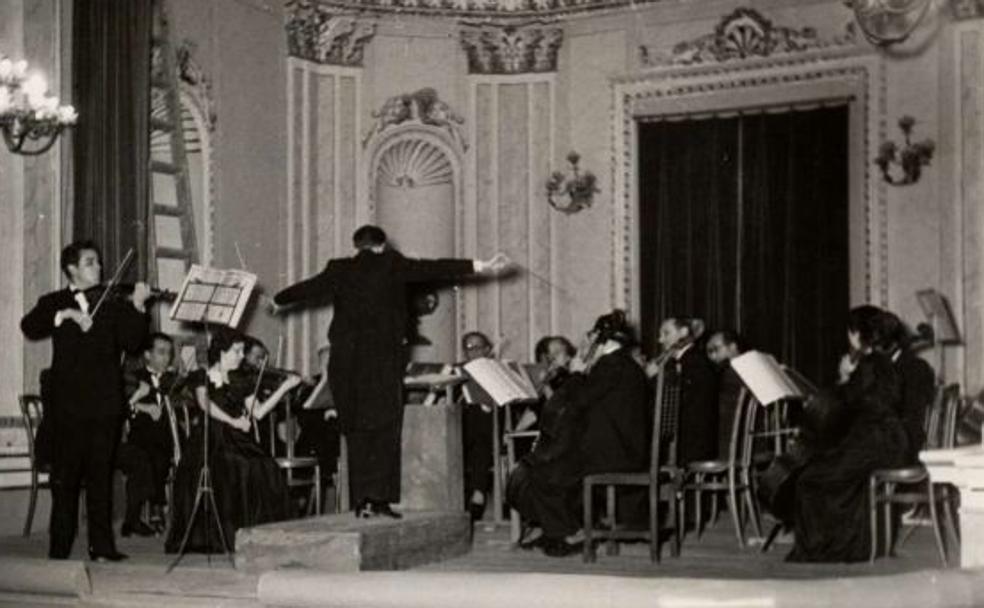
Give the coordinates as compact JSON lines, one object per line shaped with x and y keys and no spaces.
{"x":112,"y":282}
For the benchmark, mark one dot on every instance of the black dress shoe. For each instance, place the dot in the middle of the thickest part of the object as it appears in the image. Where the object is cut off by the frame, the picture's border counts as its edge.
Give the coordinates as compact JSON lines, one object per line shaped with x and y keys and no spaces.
{"x":559,"y":548}
{"x":383,"y":508}
{"x":110,"y":556}
{"x":139,"y":528}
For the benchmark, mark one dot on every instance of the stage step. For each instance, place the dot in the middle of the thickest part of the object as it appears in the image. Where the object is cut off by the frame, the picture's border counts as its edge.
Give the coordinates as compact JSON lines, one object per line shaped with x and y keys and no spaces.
{"x":344,"y":543}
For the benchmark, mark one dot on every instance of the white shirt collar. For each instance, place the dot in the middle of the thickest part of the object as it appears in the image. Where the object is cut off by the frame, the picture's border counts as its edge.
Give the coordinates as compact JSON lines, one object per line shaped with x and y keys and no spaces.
{"x":216,"y":378}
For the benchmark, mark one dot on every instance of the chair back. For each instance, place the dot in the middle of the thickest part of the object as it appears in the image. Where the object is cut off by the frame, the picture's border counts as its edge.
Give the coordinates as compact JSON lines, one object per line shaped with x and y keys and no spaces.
{"x":742,"y":445}
{"x":32,"y":411}
{"x":664,"y":424}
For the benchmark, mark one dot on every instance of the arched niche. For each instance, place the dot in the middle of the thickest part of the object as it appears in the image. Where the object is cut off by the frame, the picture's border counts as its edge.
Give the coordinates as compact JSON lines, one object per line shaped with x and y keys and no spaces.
{"x":415,"y":193}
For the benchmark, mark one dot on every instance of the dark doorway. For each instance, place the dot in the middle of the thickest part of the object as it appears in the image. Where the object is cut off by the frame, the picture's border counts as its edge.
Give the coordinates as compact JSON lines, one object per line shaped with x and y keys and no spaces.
{"x":744,"y":223}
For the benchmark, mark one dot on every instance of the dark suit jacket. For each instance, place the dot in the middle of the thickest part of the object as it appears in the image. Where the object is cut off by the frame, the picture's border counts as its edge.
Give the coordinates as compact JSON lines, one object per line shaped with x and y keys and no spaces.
{"x":918,"y":391}
{"x":369,"y":328}
{"x":615,"y":405}
{"x":86,"y":375}
{"x":698,"y":434}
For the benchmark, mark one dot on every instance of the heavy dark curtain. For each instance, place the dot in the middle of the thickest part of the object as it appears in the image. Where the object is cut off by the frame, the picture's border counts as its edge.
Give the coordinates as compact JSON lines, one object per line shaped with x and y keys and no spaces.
{"x":111,"y":72}
{"x":751,"y":232}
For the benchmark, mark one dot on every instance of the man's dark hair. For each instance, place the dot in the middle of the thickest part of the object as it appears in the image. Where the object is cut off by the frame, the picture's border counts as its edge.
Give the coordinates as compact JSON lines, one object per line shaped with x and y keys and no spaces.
{"x":542,"y":348}
{"x":368,"y":236}
{"x":475,"y":334}
{"x":730,"y":336}
{"x":252,"y":342}
{"x":152,"y":339}
{"x":614,"y":326}
{"x":71,"y":253}
{"x":222,"y":340}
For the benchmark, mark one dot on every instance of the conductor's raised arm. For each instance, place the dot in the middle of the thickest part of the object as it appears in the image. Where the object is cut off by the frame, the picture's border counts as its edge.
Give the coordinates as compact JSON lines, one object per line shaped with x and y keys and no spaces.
{"x":318,"y":286}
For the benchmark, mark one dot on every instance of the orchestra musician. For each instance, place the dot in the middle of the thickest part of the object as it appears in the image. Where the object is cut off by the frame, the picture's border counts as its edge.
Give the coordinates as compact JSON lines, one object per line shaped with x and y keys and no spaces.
{"x":476,"y":428}
{"x":86,"y":387}
{"x":153,"y":436}
{"x":247,"y":484}
{"x":723,"y":346}
{"x":918,"y":384}
{"x":369,"y":353}
{"x":692,"y":376}
{"x":831,"y":521}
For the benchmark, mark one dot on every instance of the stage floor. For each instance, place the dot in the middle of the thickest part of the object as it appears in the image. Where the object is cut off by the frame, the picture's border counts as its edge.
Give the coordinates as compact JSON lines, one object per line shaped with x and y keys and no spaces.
{"x":142,"y":581}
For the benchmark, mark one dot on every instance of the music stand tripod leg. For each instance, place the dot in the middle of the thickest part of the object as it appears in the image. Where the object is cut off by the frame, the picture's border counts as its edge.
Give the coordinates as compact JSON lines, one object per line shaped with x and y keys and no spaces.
{"x":204,"y":486}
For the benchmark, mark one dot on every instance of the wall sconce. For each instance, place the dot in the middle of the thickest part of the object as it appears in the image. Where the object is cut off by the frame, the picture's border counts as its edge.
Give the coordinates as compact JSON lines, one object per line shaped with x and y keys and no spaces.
{"x":30,"y":119}
{"x":911,"y":158}
{"x":887,"y":22}
{"x":573,"y":192}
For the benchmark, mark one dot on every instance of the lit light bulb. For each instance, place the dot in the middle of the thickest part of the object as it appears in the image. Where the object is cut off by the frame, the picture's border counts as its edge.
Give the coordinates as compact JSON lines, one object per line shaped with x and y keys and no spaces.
{"x":35,"y":88}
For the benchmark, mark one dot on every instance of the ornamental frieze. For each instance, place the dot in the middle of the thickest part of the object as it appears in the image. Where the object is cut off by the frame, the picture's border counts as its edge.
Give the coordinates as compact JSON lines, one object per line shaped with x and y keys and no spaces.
{"x":744,"y":34}
{"x":319,"y":34}
{"x":511,"y":49}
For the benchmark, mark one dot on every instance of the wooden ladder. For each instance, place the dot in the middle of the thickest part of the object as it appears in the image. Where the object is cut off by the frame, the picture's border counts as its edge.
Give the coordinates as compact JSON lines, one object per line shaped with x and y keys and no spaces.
{"x":169,"y":162}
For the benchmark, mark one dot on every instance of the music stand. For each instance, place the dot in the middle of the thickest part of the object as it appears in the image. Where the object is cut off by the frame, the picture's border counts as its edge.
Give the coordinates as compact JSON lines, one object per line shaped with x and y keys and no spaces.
{"x":209,"y":296}
{"x":936,"y":308}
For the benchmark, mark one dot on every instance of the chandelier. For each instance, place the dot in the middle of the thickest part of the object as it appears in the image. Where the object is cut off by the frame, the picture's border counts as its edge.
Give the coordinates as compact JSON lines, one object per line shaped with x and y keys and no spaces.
{"x":30,"y":119}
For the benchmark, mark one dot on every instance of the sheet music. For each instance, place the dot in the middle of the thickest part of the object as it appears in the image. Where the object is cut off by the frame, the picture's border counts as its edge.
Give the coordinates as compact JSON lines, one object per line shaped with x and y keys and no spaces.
{"x":500,"y":381}
{"x":763,"y":375}
{"x":214,"y":296}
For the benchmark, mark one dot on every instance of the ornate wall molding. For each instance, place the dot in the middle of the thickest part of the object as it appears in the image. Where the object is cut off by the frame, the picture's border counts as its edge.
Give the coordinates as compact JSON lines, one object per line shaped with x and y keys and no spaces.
{"x":422,"y":107}
{"x":324,"y":35}
{"x":482,"y":8}
{"x":511,"y":49}
{"x":856,"y":79}
{"x":967,"y":9}
{"x":743,"y":34}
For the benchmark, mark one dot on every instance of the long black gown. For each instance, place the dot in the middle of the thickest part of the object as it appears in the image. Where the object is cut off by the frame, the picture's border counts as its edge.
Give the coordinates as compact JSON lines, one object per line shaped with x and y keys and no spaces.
{"x":831,"y":505}
{"x":249,"y":488}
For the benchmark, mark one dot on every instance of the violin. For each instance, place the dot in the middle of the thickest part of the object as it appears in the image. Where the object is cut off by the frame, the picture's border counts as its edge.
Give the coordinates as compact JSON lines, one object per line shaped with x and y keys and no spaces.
{"x":123,"y":291}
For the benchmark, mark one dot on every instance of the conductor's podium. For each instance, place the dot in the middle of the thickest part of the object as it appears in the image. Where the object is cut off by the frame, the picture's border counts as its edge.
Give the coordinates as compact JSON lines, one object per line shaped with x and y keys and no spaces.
{"x":343,"y":543}
{"x":433,"y":470}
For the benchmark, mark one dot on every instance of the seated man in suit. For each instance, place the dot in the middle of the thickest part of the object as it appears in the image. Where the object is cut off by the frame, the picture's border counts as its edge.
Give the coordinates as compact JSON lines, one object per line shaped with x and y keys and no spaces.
{"x":723,"y":346}
{"x":477,"y":428}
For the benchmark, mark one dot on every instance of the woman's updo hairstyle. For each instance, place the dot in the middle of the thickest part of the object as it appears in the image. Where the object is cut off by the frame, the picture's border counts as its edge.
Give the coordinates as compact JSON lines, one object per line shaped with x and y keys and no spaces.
{"x":614,"y":326}
{"x":222,"y":340}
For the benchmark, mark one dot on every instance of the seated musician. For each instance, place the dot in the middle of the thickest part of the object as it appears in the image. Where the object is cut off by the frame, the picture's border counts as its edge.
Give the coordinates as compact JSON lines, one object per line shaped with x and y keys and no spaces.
{"x":693,"y":376}
{"x":477,"y":426}
{"x":723,"y":346}
{"x":318,"y":420}
{"x":545,"y":485}
{"x":830,"y":511}
{"x":152,"y":437}
{"x":918,"y":384}
{"x":248,"y":486}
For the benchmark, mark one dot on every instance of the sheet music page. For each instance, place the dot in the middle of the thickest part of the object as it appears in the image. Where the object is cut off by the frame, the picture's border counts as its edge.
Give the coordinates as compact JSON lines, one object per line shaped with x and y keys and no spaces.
{"x":213,"y":295}
{"x":763,"y":375}
{"x":501,"y":383}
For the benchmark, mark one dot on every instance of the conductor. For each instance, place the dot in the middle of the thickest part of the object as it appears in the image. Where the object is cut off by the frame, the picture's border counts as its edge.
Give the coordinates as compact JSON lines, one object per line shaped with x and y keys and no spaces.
{"x":369,"y":352}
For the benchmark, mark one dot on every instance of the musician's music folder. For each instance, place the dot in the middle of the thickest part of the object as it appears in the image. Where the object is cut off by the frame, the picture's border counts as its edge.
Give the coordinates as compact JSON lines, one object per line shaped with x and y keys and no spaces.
{"x":503,"y":383}
{"x":767,"y":380}
{"x":212,"y":295}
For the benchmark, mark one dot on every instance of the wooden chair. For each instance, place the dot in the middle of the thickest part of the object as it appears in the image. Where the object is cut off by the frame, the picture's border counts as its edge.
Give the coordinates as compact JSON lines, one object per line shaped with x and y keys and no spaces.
{"x":31,"y":412}
{"x":509,"y":438}
{"x":290,"y":464}
{"x":731,"y":475}
{"x":912,"y":486}
{"x":658,"y":476}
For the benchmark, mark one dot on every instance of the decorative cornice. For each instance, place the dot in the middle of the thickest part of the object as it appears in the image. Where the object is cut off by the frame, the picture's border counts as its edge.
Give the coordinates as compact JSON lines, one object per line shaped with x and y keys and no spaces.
{"x":741,"y":35}
{"x":421,"y":107}
{"x":967,"y":9}
{"x":324,"y":35}
{"x":482,"y":8}
{"x":511,"y":49}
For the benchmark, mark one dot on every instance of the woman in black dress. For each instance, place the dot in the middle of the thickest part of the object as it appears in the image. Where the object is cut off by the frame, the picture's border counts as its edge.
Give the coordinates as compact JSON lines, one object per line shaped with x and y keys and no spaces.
{"x":249,"y":488}
{"x":862,"y":433}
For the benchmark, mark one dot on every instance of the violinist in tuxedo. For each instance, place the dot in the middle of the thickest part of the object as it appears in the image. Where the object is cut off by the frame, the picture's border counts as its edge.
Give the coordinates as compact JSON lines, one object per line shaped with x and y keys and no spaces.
{"x":86,"y":393}
{"x":368,"y":336}
{"x":153,"y":430}
{"x":723,"y":346}
{"x":918,"y":383}
{"x":693,"y":375}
